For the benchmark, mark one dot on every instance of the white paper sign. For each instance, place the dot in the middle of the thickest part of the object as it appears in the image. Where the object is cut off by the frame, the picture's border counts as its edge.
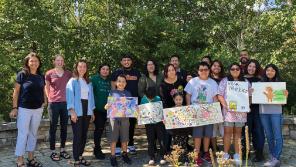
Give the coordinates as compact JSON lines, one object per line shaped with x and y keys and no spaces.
{"x":238,"y":96}
{"x":269,"y":93}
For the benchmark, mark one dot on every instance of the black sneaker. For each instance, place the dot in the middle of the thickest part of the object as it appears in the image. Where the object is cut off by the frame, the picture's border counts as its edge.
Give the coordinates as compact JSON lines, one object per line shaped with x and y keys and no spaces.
{"x":125,"y":158}
{"x":113,"y":161}
{"x":99,"y":154}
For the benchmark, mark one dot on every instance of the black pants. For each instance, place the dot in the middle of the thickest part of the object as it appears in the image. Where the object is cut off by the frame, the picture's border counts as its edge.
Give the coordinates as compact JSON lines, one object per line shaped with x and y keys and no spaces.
{"x":133,"y":122}
{"x":80,"y":129}
{"x":57,"y":110}
{"x":156,"y":132}
{"x":100,"y":120}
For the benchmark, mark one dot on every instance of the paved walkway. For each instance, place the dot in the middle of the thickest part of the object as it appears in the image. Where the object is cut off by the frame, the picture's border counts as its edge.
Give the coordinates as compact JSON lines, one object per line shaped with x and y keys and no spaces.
{"x":7,"y":158}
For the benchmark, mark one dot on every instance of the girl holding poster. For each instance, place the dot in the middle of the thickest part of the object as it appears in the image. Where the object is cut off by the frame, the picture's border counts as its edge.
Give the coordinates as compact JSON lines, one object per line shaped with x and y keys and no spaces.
{"x":154,"y":131}
{"x":271,"y":118}
{"x":233,"y":121}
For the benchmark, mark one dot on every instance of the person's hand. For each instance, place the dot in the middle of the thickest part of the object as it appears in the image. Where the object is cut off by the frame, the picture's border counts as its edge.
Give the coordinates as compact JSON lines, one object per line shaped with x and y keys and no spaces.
{"x":73,"y":116}
{"x":92,"y":119}
{"x":251,"y":90}
{"x":107,"y":106}
{"x":13,"y":113}
{"x":286,"y":93}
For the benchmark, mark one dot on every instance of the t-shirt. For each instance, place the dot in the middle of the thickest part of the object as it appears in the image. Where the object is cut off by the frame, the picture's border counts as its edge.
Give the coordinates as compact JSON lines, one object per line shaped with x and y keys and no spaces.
{"x":57,"y":85}
{"x":182,"y":74}
{"x":270,"y":109}
{"x":101,"y":88}
{"x":202,"y":91}
{"x":132,"y":77}
{"x":31,"y":91}
{"x":167,"y":91}
{"x":84,"y":89}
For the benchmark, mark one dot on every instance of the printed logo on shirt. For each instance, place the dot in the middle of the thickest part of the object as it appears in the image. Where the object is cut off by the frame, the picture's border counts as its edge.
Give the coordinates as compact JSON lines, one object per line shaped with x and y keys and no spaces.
{"x":131,"y":78}
{"x":202,"y":94}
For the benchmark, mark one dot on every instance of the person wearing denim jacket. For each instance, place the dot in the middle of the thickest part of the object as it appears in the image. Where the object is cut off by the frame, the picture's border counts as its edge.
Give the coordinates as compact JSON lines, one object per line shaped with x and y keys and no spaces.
{"x":80,"y":106}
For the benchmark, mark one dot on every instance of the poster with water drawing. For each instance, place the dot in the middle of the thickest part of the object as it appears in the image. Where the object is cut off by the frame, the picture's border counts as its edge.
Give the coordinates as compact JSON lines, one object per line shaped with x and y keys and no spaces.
{"x":122,"y":107}
{"x":150,"y":113}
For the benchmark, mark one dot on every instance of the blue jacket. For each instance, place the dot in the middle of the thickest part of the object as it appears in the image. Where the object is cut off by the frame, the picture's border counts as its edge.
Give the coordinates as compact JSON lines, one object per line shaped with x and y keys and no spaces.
{"x":73,"y":97}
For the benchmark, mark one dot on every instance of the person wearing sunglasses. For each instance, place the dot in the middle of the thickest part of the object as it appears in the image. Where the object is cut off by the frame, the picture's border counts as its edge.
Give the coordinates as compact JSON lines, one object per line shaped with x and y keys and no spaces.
{"x":233,"y":121}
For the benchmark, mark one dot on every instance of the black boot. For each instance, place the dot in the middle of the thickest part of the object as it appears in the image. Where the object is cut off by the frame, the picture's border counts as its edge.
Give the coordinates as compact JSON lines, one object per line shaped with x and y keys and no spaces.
{"x":99,"y":154}
{"x":258,"y":156}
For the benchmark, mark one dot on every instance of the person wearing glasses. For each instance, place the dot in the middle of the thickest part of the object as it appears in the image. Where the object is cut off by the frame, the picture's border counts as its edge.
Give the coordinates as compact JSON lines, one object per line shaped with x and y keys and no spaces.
{"x":233,"y":121}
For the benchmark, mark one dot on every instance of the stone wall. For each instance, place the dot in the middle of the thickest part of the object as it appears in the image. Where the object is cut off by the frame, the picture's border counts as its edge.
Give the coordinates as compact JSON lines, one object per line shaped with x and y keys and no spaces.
{"x":8,"y":132}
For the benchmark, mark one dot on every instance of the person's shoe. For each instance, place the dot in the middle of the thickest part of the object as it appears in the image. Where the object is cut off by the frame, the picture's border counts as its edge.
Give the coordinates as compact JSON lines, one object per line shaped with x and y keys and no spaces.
{"x":126,"y":159}
{"x":151,"y":162}
{"x":162,"y":162}
{"x":258,"y":157}
{"x":113,"y":161}
{"x":272,"y":163}
{"x":226,"y":156}
{"x":131,"y":150}
{"x":237,"y":159}
{"x":117,"y":151}
{"x":199,"y":161}
{"x":99,"y":154}
{"x":207,"y":157}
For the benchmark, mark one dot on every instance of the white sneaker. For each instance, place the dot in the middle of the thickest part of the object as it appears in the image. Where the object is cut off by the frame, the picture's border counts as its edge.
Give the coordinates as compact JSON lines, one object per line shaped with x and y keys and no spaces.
{"x":226,"y":156}
{"x":151,"y":162}
{"x":162,"y":162}
{"x":117,"y":151}
{"x":237,"y":159}
{"x":272,"y":163}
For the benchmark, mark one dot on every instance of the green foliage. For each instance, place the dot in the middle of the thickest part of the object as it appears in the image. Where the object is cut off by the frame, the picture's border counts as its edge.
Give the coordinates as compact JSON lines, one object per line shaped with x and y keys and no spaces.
{"x":101,"y":30}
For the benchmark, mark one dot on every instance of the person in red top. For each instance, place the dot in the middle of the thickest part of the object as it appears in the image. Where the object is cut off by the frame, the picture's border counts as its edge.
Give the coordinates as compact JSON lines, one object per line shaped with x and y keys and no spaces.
{"x":55,"y":88}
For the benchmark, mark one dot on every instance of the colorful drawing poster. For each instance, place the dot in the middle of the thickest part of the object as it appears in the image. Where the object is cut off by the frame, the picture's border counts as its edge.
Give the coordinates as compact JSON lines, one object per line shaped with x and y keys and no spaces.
{"x":237,"y":97}
{"x":150,"y":113}
{"x":122,"y":107}
{"x":269,"y":93}
{"x":192,"y":116}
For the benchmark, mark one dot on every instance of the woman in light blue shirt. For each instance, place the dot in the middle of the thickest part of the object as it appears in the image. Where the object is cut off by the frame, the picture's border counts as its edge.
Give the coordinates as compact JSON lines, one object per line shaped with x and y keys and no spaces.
{"x":80,"y":104}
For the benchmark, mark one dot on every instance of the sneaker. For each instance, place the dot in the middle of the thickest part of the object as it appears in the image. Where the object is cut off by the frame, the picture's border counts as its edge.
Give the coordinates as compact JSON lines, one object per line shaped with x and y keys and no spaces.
{"x":117,"y":151}
{"x":113,"y":161}
{"x":237,"y":159}
{"x":126,"y":159}
{"x":226,"y":156}
{"x":162,"y":162}
{"x":272,"y":163}
{"x":131,"y":150}
{"x":151,"y":162}
{"x":207,"y":157}
{"x":99,"y":154}
{"x":198,"y":161}
{"x":268,"y":162}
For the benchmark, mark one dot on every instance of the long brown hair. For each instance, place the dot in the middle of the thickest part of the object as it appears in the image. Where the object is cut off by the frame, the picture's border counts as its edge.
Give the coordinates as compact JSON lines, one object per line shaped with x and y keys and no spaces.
{"x":75,"y":72}
{"x":26,"y":67}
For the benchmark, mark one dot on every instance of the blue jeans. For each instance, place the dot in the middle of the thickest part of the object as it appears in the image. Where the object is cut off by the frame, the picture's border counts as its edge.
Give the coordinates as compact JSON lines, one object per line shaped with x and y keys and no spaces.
{"x":272,"y":124}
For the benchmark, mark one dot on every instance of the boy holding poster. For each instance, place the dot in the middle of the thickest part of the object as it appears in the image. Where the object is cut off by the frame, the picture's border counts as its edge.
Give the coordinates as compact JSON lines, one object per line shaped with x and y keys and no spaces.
{"x":154,"y":131}
{"x":119,"y":126}
{"x":202,"y":90}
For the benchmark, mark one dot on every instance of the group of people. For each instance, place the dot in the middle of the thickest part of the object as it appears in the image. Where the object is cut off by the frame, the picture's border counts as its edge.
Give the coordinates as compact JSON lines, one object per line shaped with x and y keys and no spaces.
{"x":83,"y":99}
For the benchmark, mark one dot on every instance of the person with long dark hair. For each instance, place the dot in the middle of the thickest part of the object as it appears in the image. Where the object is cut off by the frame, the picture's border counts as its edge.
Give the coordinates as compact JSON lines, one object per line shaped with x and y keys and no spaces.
{"x":217,"y":74}
{"x":102,"y":86}
{"x":233,"y":121}
{"x":80,"y":104}
{"x":171,"y":84}
{"x":255,"y":127}
{"x":28,"y":101}
{"x":150,"y":78}
{"x":272,"y":119}
{"x":56,"y":80}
